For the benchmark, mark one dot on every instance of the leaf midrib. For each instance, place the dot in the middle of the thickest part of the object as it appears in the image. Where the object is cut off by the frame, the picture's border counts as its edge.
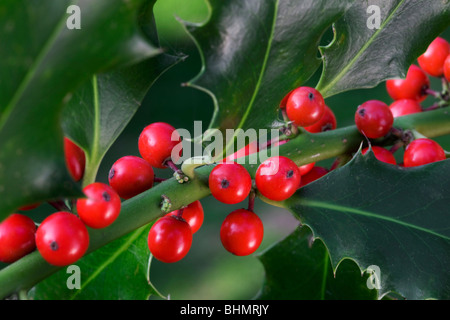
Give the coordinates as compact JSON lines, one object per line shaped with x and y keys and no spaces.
{"x":335,"y":207}
{"x":261,"y":74}
{"x":339,"y":76}
{"x":109,"y":261}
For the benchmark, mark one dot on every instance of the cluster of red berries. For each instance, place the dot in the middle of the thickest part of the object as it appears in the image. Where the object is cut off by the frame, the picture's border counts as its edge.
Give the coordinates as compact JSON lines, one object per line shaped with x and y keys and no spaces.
{"x":63,"y":238}
{"x":375,"y":118}
{"x":242,"y":230}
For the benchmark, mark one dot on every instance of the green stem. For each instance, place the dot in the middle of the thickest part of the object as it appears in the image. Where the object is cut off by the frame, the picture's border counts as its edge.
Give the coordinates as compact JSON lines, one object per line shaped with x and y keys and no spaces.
{"x":145,"y":208}
{"x":136,"y":212}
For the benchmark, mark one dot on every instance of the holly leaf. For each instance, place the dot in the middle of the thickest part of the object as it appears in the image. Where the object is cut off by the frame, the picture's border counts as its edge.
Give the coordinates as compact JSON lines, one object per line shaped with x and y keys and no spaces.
{"x":117,"y":271}
{"x":379,"y":39}
{"x":100,"y":110}
{"x":43,"y":63}
{"x":387,"y":216}
{"x":254,"y":52}
{"x":299,"y":268}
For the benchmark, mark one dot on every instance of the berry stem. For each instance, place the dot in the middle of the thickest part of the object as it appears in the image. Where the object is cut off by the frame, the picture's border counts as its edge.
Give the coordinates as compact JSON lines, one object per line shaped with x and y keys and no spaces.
{"x":59,"y":205}
{"x":284,"y":115}
{"x":139,"y":211}
{"x":434,"y":106}
{"x":396,"y":146}
{"x":178,"y":173}
{"x":433,"y":93}
{"x":180,"y":212}
{"x":445,"y":87}
{"x":172,"y":165}
{"x":251,"y":200}
{"x":156,"y":179}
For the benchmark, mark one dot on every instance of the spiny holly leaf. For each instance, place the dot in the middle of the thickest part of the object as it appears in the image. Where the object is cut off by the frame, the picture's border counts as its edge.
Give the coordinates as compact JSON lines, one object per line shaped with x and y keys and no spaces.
{"x":363,"y":55}
{"x":254,"y":52}
{"x":115,"y":272}
{"x":43,"y":62}
{"x":392,"y":217}
{"x":99,"y":111}
{"x":298,"y":268}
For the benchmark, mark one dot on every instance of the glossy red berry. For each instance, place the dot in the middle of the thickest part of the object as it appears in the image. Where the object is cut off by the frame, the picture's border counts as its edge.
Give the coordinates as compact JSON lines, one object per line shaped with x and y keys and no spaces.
{"x":447,"y":68}
{"x":277,"y":178}
{"x":304,"y":169}
{"x":101,"y":207}
{"x":241,"y":232}
{"x":75,"y":159}
{"x":130,"y":176}
{"x":374,"y":119}
{"x":62,"y":238}
{"x":381,"y":154}
{"x":193,"y":214}
{"x":412,"y":87}
{"x":170,"y":239}
{"x":156,"y":143}
{"x":17,"y":237}
{"x":326,"y":122}
{"x":314,"y":174}
{"x":432,"y":61}
{"x":305,"y":106}
{"x":422,"y":151}
{"x":403,"y":107}
{"x":230,"y":183}
{"x":284,"y":101}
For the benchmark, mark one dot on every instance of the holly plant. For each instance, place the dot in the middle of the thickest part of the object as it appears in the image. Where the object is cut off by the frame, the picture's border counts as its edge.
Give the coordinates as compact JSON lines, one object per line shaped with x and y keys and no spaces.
{"x":367,"y":184}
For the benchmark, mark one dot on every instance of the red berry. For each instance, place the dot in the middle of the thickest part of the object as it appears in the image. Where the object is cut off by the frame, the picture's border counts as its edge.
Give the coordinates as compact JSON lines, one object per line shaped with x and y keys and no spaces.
{"x":305,"y":106}
{"x":432,"y":61}
{"x":447,"y":68}
{"x":101,"y":207}
{"x":327,"y":122}
{"x":277,"y":178}
{"x":17,"y":237}
{"x":75,"y":159}
{"x":130,"y":176}
{"x":241,"y":232}
{"x":193,"y":214}
{"x":422,"y":151}
{"x":170,"y":239}
{"x":403,"y":107}
{"x":285,"y":100}
{"x":382,"y":154}
{"x":156,"y":143}
{"x":62,"y":238}
{"x":374,"y":119}
{"x":304,"y":169}
{"x":314,"y":174}
{"x":230,"y":183}
{"x":412,"y":87}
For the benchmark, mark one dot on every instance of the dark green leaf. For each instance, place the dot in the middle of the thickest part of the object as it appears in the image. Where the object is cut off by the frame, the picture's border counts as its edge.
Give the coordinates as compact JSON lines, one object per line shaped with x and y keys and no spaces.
{"x":101,"y":109}
{"x":361,"y":57}
{"x":115,"y":272}
{"x":299,"y":268}
{"x":254,"y":52}
{"x":393,"y":217}
{"x":43,"y":63}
